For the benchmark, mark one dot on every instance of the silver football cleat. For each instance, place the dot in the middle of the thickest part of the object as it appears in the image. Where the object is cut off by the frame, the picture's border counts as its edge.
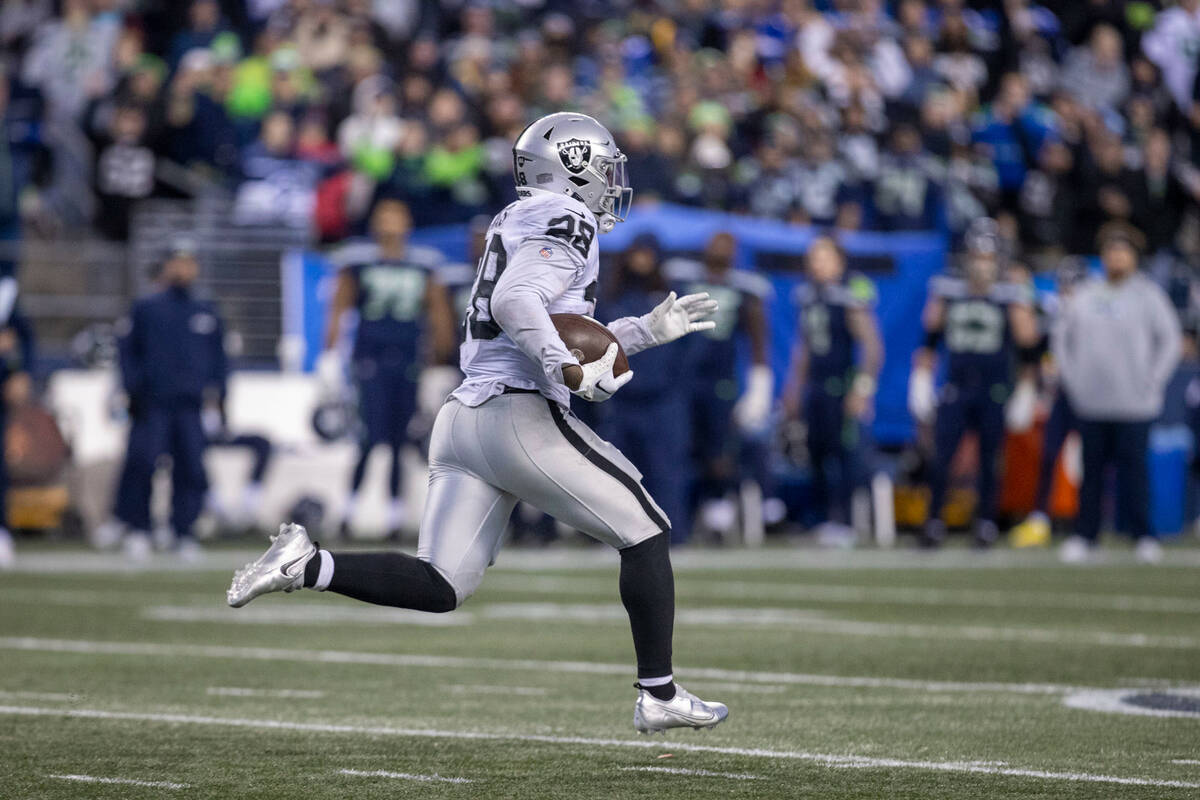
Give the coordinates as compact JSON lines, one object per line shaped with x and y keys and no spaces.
{"x":684,"y":710}
{"x":280,"y":569}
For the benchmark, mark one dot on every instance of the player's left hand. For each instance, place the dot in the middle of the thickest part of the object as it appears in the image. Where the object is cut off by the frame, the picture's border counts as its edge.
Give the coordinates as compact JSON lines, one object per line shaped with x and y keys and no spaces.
{"x":679,"y":316}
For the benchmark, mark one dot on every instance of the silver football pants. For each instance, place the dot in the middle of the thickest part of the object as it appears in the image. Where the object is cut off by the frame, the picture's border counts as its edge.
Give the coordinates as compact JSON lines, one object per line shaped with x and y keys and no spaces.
{"x":522,"y":446}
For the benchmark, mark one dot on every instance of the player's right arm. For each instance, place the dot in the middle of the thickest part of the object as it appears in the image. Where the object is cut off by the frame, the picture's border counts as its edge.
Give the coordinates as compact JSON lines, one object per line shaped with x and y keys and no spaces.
{"x":793,"y":392}
{"x":345,"y":295}
{"x":538,"y":272}
{"x":921,"y":396}
{"x":330,"y":371}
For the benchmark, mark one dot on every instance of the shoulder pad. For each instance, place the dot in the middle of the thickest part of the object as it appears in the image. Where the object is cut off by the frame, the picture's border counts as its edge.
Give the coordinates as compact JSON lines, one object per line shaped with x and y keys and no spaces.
{"x":751,"y":283}
{"x":947,"y":287}
{"x":429,"y":257}
{"x":455,"y":273}
{"x":683,"y":269}
{"x":352,"y":254}
{"x":1012,"y":293}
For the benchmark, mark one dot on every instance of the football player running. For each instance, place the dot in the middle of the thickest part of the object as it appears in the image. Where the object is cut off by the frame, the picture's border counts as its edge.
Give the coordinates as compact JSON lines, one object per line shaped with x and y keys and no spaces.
{"x":507,"y":434}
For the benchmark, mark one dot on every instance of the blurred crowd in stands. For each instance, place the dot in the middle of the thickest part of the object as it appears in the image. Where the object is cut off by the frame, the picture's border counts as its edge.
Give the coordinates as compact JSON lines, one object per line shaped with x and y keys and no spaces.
{"x":897,"y":115}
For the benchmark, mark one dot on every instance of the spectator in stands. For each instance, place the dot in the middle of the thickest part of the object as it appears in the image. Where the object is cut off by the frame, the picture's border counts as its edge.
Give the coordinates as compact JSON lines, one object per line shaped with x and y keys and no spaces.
{"x":198,"y":131}
{"x":70,"y":59}
{"x":1161,"y":197}
{"x":125,"y":169}
{"x":204,"y":23}
{"x":1046,"y":207}
{"x":1172,"y":46}
{"x":277,"y":187}
{"x":1108,"y":189}
{"x":906,"y":195}
{"x":1117,"y":345}
{"x":369,"y":138}
{"x":1097,"y":75}
{"x":1013,"y":129}
{"x":322,"y":34}
{"x":822,"y":184}
{"x":20,"y":143}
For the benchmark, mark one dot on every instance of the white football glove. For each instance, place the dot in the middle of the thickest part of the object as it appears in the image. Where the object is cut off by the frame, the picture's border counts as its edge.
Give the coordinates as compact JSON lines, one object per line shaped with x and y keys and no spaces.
{"x":922,"y":399}
{"x":676,"y":317}
{"x":331,"y":374}
{"x":1021,"y":407}
{"x":753,"y":408}
{"x":598,"y":382}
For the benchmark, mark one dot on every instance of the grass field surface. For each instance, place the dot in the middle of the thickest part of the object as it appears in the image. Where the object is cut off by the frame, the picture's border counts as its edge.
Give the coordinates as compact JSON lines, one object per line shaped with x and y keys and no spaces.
{"x":848,"y":675}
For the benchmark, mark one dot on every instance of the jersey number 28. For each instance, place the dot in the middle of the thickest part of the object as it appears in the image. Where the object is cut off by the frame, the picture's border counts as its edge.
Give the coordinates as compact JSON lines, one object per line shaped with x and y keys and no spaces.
{"x":478,"y":322}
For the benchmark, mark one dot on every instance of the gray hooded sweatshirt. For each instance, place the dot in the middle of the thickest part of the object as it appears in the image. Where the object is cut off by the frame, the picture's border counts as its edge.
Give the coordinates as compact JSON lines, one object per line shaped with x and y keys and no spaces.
{"x":1117,"y":345}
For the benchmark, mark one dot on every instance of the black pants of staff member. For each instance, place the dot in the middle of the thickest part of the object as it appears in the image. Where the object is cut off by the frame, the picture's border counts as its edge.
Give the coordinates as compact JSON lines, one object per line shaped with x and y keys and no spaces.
{"x":155,"y":431}
{"x":1123,"y":445}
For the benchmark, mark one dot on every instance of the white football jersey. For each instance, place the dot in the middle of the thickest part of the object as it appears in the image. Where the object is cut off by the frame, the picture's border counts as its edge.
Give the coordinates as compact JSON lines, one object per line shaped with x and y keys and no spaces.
{"x":544,"y":243}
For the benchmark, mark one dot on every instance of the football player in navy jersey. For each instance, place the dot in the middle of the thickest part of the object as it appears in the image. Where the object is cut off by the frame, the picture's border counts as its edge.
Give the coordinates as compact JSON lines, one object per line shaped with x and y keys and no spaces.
{"x":649,"y":421}
{"x":984,"y":328}
{"x":719,"y":413}
{"x":837,"y":364}
{"x":403,"y":311}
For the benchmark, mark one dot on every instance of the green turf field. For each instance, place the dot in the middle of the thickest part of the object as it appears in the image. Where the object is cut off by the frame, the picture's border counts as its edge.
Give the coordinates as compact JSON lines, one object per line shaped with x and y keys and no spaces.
{"x":848,"y":675}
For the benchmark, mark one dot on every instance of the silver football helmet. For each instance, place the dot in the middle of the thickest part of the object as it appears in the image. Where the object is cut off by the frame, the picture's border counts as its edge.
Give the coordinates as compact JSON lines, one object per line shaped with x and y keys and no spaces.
{"x":575,"y":155}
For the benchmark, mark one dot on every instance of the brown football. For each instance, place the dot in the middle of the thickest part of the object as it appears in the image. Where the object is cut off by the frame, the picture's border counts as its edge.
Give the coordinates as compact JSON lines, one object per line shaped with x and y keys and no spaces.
{"x":587,"y":339}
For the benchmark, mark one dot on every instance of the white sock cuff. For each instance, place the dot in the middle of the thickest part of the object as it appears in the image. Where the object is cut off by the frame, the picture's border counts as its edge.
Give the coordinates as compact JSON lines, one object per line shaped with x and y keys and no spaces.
{"x":663,"y":681}
{"x":325,"y":575}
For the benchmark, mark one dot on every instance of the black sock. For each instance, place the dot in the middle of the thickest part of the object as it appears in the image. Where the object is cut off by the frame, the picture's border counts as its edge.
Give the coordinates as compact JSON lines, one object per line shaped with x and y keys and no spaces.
{"x":664,"y":691}
{"x":389,"y":579}
{"x":313,"y":568}
{"x":648,"y":594}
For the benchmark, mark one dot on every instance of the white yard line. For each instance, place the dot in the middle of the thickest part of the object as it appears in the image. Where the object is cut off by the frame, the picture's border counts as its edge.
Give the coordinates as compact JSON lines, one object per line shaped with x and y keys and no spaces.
{"x":53,"y":696}
{"x":1188,"y":761}
{"x":479,"y":688}
{"x":121,"y":781}
{"x":825,"y":759}
{"x":141,"y":649}
{"x":576,"y":613}
{"x":237,"y":691}
{"x":305,"y":614}
{"x":403,"y":776}
{"x":864,"y":595}
{"x":730,"y":686}
{"x":611,"y":613}
{"x":720,"y":616}
{"x":512,"y":582}
{"x":699,"y":773}
{"x":97,"y":597}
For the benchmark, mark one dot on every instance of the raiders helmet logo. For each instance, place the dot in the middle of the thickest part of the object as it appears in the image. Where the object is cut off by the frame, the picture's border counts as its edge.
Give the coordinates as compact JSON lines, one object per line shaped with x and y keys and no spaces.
{"x":575,"y":155}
